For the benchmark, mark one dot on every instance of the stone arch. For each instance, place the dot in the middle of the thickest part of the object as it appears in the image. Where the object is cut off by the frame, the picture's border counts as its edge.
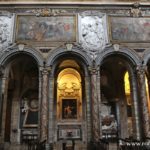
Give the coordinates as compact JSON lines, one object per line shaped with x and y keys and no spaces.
{"x":75,"y":53}
{"x":131,"y":60}
{"x":146,"y":57}
{"x":126,"y":52}
{"x":5,"y":57}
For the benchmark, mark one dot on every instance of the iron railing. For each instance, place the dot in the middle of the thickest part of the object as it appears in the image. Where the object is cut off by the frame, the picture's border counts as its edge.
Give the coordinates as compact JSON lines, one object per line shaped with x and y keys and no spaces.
{"x":32,"y":142}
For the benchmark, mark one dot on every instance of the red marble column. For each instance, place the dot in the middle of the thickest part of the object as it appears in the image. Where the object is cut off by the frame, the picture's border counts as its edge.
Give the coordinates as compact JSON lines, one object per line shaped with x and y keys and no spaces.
{"x":95,"y":106}
{"x":143,"y":99}
{"x":44,"y":105}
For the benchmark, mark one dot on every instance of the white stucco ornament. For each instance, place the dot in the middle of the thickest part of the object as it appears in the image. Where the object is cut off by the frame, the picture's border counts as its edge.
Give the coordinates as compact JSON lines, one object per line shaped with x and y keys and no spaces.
{"x":92,"y":31}
{"x":6,"y":31}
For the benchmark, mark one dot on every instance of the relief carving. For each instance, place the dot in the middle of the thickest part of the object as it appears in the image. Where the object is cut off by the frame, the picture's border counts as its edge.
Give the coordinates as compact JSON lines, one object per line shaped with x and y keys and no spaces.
{"x":136,"y":11}
{"x":6,"y":25}
{"x":93,"y":32}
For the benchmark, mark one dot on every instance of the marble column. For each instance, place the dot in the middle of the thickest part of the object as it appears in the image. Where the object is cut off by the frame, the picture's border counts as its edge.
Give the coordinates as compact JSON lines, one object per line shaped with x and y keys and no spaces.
{"x":136,"y":115}
{"x":44,"y":105}
{"x":95,"y":106}
{"x":52,"y":123}
{"x":143,"y":99}
{"x":88,"y":110}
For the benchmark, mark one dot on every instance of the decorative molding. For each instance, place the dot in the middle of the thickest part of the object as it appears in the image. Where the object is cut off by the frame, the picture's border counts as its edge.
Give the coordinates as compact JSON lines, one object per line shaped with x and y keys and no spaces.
{"x":21,"y":47}
{"x":69,"y":46}
{"x":145,"y":13}
{"x":116,"y":47}
{"x":117,"y":12}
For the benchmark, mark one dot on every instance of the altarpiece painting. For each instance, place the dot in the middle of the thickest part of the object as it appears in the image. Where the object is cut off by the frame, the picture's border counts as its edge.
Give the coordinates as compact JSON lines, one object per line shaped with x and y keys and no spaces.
{"x":69,"y":109}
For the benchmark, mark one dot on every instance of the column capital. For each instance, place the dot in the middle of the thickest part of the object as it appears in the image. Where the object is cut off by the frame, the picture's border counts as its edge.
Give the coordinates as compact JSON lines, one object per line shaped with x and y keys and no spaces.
{"x":45,"y":70}
{"x":93,"y":70}
{"x":141,"y":70}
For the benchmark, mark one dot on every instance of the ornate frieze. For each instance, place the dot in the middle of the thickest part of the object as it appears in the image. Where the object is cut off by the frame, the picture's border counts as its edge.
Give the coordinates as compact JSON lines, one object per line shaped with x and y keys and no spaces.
{"x":48,"y":12}
{"x":92,"y":32}
{"x":6,"y":31}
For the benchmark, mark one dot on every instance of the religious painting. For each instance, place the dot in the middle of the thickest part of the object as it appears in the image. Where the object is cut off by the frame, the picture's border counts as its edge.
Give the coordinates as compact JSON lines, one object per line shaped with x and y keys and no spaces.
{"x":127,"y":29}
{"x":46,"y":29}
{"x":69,"y":109}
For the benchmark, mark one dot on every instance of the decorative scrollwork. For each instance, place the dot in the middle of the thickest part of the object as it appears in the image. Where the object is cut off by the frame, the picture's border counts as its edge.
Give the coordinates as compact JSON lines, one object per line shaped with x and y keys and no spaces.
{"x":46,"y":12}
{"x":136,"y":11}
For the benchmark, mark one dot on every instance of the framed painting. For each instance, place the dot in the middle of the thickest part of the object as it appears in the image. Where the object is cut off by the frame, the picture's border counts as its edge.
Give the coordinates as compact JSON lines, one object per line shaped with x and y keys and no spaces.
{"x":46,"y":29}
{"x":69,"y":108}
{"x":128,"y":29}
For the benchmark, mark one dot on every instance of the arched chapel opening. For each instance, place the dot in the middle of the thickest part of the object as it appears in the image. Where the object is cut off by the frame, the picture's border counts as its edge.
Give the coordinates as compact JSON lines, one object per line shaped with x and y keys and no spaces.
{"x":119,"y":111}
{"x":21,"y":100}
{"x":70,"y":104}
